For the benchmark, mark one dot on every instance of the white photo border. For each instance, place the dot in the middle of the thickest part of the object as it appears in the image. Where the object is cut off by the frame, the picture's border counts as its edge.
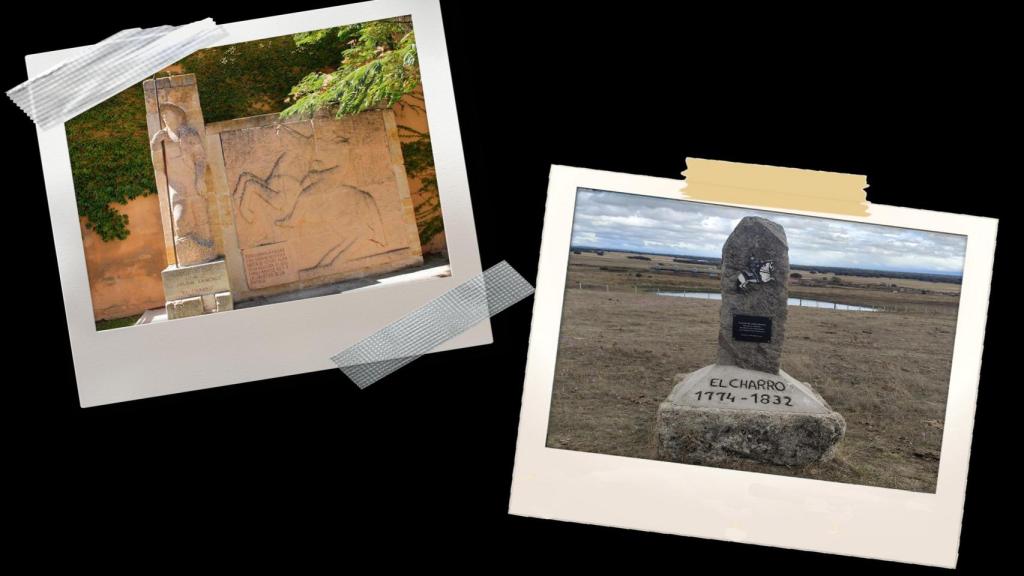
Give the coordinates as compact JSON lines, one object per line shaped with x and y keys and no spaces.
{"x":721,"y":504}
{"x":280,"y":339}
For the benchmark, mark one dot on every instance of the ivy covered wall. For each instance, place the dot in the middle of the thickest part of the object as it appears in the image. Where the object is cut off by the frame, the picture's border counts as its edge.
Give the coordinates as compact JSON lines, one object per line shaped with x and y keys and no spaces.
{"x":109,"y":148}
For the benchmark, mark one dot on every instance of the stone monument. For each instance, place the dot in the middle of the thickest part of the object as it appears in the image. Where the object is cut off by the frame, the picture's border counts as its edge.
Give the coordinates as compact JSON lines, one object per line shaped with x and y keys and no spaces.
{"x":196,"y":279}
{"x":263,"y":206}
{"x":315,"y":200}
{"x":745,"y":407}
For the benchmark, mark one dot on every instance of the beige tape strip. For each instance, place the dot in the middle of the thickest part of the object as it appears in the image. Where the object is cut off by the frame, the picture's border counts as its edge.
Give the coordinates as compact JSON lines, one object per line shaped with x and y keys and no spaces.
{"x":776,"y":187}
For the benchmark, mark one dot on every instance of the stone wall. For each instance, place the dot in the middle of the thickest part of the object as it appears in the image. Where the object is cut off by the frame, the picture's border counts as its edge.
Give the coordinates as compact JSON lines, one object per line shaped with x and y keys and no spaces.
{"x":411,"y":117}
{"x":310,"y":202}
{"x":124,"y":275}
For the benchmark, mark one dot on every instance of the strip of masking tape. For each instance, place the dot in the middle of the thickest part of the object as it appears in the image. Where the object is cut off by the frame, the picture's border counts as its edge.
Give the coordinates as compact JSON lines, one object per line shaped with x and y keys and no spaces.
{"x":776,"y":187}
{"x":425,"y":328}
{"x":107,"y":68}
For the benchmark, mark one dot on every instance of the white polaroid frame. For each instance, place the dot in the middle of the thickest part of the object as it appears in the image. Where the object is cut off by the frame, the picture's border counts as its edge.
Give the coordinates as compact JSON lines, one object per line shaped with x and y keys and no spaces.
{"x":731,"y":505}
{"x":279,"y":339}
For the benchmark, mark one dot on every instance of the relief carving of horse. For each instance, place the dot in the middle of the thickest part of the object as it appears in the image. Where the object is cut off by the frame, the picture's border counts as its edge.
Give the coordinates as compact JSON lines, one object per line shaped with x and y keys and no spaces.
{"x":300,"y":194}
{"x":757,"y":272}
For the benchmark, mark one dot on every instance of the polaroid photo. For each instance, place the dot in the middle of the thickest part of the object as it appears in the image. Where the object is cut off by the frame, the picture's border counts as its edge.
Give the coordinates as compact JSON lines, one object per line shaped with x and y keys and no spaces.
{"x":787,"y":378}
{"x":256,"y":207}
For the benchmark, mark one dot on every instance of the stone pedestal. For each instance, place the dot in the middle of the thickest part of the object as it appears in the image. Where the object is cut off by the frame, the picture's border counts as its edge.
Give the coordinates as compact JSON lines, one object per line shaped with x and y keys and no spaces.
{"x":195,"y":290}
{"x":745,"y":407}
{"x":721,"y":413}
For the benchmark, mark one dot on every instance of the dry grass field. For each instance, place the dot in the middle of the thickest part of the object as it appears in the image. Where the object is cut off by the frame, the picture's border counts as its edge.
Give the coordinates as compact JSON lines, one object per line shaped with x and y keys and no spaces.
{"x":886,"y":372}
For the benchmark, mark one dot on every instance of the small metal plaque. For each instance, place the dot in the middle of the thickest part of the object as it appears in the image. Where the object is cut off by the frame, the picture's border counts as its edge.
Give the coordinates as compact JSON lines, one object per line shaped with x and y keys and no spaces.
{"x":752,"y":328}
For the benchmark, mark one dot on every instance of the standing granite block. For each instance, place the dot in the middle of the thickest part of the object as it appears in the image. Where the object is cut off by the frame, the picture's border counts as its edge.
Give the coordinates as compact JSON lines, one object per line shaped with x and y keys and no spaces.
{"x":755,"y":272}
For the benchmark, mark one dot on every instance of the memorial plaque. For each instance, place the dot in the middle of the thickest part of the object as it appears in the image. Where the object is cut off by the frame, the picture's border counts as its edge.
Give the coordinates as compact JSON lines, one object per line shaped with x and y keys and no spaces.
{"x":752,"y":328}
{"x":189,"y":281}
{"x":269,"y":265}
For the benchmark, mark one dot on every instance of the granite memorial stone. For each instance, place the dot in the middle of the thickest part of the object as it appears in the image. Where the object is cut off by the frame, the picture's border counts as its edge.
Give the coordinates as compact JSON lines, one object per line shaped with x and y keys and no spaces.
{"x":745,"y":406}
{"x":755,"y":269}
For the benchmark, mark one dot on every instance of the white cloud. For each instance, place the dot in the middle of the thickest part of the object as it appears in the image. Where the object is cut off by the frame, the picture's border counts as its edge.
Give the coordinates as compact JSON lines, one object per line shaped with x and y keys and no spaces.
{"x":616,"y":220}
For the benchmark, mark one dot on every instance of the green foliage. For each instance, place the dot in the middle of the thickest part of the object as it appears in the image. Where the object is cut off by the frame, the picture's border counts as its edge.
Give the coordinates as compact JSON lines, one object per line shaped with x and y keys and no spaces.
{"x":109,"y":144}
{"x":116,"y":323}
{"x":418,"y":154}
{"x":379,"y":66}
{"x":255,"y":77}
{"x":430,"y":227}
{"x":110,"y":163}
{"x":419,"y":163}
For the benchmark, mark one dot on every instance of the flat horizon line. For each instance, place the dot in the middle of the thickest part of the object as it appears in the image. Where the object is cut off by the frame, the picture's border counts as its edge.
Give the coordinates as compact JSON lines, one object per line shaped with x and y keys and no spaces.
{"x":792,"y":265}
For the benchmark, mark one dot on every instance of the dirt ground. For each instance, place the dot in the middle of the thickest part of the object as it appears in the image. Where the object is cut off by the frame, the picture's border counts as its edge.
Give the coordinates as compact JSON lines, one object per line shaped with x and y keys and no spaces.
{"x":887,"y":372}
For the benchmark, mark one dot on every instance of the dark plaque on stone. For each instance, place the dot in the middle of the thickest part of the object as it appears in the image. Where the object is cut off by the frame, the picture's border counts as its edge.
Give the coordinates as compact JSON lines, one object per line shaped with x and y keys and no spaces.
{"x":752,"y":328}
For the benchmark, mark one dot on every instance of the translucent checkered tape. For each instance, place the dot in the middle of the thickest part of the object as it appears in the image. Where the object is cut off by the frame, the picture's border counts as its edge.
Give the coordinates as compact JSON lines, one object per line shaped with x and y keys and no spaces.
{"x":104,"y":69}
{"x":424,"y":329}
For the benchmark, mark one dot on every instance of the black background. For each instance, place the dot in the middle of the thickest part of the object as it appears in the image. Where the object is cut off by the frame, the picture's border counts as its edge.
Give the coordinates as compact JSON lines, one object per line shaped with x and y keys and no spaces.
{"x":417,"y":468}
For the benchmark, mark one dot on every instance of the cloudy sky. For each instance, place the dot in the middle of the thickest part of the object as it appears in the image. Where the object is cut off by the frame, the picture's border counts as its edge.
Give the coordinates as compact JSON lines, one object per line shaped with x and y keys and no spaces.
{"x":617,"y":221}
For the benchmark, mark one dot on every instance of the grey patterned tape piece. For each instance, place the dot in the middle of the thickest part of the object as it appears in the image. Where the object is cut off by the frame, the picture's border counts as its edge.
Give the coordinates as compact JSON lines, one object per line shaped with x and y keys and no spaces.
{"x":107,"y":68}
{"x":424,"y":329}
